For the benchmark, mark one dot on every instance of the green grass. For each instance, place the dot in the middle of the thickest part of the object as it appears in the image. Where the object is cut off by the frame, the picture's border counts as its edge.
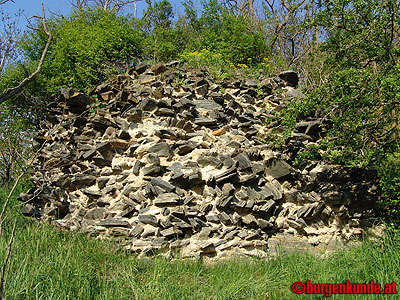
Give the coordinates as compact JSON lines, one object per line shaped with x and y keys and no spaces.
{"x":49,"y":263}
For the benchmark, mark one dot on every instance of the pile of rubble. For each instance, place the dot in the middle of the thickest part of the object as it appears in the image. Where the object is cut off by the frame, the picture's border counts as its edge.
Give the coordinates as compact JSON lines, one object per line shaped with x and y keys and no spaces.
{"x":173,"y":161}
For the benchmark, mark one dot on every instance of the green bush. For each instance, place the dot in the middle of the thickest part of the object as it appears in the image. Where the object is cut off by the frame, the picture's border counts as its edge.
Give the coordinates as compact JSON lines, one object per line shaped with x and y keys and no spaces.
{"x":360,"y":33}
{"x":361,"y":104}
{"x":357,"y":87}
{"x":220,"y":30}
{"x":87,"y":47}
{"x":163,"y":41}
{"x":27,"y":107}
{"x":389,"y":173}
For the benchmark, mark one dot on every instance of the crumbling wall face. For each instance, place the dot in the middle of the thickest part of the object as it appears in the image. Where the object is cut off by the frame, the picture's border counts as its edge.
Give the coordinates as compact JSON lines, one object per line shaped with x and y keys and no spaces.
{"x":172,"y":160}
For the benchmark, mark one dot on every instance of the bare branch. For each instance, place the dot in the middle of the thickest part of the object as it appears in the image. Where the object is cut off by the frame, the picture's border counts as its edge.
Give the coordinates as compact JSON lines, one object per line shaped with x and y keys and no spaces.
{"x":290,"y":11}
{"x":8,"y":38}
{"x":79,"y":4}
{"x":271,"y":6}
{"x":8,"y":199}
{"x":247,"y":8}
{"x":135,"y":14}
{"x":5,"y":1}
{"x":23,"y":172}
{"x":11,"y":92}
{"x":111,"y":5}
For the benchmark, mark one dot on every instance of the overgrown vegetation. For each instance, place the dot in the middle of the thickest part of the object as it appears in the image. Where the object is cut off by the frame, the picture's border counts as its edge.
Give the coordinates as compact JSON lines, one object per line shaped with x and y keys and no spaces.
{"x":360,"y":92}
{"x":88,"y":46}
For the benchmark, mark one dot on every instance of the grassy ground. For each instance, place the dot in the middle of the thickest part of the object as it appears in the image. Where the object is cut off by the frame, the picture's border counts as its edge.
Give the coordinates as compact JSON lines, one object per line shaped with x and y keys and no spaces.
{"x":48,"y":263}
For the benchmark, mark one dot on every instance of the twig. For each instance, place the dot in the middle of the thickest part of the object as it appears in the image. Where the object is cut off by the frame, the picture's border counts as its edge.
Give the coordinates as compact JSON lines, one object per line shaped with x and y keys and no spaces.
{"x":290,"y":11}
{"x":23,"y":173}
{"x":8,"y":200}
{"x":35,"y":194}
{"x":15,"y":185}
{"x":5,"y":1}
{"x":11,"y":92}
{"x":6,"y":261}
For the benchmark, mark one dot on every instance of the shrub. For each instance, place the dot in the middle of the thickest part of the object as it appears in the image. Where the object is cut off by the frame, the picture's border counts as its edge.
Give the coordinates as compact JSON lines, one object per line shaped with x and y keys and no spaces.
{"x":87,"y":47}
{"x":219,"y":30}
{"x":389,"y":173}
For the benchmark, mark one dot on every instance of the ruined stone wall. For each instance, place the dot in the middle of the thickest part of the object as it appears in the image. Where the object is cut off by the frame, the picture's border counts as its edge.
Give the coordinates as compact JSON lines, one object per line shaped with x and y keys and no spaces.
{"x":171,"y":160}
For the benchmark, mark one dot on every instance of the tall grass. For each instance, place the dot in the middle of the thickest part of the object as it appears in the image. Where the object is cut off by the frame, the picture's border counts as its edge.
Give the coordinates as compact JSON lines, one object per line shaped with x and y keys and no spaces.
{"x":49,"y":263}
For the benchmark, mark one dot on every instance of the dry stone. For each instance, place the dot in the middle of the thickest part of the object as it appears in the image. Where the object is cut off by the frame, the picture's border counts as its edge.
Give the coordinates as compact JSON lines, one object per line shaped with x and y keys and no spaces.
{"x":185,"y":169}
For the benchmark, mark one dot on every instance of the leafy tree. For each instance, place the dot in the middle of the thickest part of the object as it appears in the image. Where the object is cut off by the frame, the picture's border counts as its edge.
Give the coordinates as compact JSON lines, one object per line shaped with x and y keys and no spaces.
{"x":222,"y":31}
{"x":158,"y":15}
{"x":360,"y":33}
{"x":361,"y":93}
{"x":87,"y":47}
{"x":162,"y":41}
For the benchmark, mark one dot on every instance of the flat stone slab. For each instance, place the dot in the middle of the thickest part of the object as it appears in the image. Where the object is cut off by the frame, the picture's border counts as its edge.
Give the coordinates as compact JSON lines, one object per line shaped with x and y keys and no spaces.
{"x":277,"y":168}
{"x":114,"y":222}
{"x":166,"y":199}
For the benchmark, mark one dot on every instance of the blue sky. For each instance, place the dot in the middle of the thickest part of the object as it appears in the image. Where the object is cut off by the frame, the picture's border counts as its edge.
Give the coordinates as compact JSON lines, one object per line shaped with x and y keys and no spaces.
{"x":63,"y":7}
{"x":33,"y":7}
